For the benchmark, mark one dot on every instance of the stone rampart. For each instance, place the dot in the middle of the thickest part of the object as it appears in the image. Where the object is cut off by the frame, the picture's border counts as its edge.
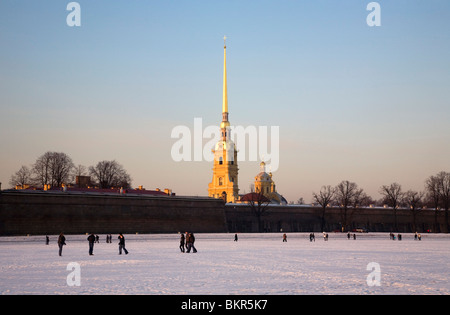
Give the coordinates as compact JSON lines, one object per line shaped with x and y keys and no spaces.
{"x":52,"y":212}
{"x":305,"y":218}
{"x":40,"y":212}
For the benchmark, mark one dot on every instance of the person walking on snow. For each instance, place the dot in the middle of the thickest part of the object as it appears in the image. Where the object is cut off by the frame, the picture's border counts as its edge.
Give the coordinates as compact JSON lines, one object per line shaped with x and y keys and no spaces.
{"x":190,"y":240}
{"x":91,"y":240}
{"x":122,"y":244}
{"x":61,"y":243}
{"x":182,"y":242}
{"x":193,"y":241}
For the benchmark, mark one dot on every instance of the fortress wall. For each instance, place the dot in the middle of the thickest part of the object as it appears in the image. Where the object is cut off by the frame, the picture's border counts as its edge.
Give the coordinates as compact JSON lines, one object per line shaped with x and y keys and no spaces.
{"x":52,"y":213}
{"x":295,"y":218}
{"x":40,"y":212}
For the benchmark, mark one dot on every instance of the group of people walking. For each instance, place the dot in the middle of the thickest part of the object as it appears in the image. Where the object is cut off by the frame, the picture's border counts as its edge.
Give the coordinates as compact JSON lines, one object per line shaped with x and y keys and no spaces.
{"x":417,"y":236}
{"x":91,"y":240}
{"x":187,"y":241}
{"x":392,"y":236}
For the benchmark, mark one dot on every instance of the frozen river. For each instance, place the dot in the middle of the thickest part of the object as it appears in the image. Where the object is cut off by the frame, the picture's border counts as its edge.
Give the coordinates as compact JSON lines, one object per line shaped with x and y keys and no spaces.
{"x":256,"y":264}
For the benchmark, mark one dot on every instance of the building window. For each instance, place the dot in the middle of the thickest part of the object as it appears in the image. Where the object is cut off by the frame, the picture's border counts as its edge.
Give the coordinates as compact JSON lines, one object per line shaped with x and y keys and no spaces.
{"x":220,"y":181}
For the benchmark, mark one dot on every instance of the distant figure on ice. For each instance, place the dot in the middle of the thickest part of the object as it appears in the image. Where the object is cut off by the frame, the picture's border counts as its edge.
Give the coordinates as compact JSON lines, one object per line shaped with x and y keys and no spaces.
{"x":91,"y":240}
{"x":193,"y":241}
{"x":312,"y":237}
{"x":348,"y":235}
{"x":354,"y":236}
{"x":284,"y":237}
{"x":47,"y":240}
{"x":419,"y":236}
{"x":325,"y":236}
{"x":182,"y":242}
{"x":235,"y":237}
{"x":122,"y":244}
{"x":399,"y":237}
{"x":190,"y":240}
{"x":61,"y":243}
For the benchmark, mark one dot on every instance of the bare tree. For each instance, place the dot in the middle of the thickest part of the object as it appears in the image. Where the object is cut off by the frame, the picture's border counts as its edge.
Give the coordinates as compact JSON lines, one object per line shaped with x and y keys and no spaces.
{"x":433,"y":196}
{"x":258,"y":204}
{"x":348,"y":196}
{"x":52,"y":168}
{"x":413,"y":200}
{"x":79,"y":170}
{"x":324,"y":198}
{"x":110,"y":174}
{"x":61,"y":168}
{"x":41,"y":170}
{"x":21,"y":178}
{"x":392,"y":196}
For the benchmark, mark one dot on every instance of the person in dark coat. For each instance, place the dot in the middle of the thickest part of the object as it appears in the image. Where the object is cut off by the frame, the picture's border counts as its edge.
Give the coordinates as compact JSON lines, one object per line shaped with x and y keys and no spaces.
{"x":61,"y":243}
{"x":122,"y":244}
{"x":190,"y":240}
{"x":235,"y":237}
{"x":47,"y":240}
{"x":193,"y":241}
{"x":91,"y":240}
{"x":182,"y":242}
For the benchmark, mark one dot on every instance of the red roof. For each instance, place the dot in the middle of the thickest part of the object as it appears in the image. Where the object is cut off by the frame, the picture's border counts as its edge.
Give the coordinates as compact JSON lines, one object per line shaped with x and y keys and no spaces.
{"x":255,"y":197}
{"x":112,"y":191}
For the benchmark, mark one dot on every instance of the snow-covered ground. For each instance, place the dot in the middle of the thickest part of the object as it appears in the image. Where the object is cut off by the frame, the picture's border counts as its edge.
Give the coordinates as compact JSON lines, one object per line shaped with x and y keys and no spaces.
{"x":256,"y":264}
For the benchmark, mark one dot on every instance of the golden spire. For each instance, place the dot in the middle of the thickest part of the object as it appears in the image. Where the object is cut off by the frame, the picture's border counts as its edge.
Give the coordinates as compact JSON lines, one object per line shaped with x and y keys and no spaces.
{"x":225,"y":122}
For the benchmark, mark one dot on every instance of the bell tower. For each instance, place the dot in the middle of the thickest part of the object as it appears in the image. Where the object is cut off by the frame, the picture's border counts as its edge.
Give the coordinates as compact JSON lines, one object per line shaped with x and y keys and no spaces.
{"x":224,"y":183}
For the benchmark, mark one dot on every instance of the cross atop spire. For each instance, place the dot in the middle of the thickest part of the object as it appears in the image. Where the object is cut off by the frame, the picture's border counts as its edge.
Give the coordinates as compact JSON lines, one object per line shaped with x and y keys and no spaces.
{"x":224,"y":42}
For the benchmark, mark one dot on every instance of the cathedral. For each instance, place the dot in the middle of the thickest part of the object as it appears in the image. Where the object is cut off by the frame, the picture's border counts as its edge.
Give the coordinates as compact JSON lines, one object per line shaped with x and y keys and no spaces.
{"x":224,"y":183}
{"x":265,"y":185}
{"x":225,"y":169}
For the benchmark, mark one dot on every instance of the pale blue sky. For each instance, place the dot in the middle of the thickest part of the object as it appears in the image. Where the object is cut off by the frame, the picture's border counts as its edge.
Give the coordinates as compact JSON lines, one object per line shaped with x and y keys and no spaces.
{"x":353,"y":102}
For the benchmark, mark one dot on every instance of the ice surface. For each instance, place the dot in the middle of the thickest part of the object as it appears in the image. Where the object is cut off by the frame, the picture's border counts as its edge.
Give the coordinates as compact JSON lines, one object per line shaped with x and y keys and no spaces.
{"x":256,"y":264}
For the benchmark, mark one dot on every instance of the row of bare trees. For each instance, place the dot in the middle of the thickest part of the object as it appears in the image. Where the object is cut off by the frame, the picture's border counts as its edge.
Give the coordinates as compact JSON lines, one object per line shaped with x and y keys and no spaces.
{"x":57,"y":168}
{"x":348,"y":197}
